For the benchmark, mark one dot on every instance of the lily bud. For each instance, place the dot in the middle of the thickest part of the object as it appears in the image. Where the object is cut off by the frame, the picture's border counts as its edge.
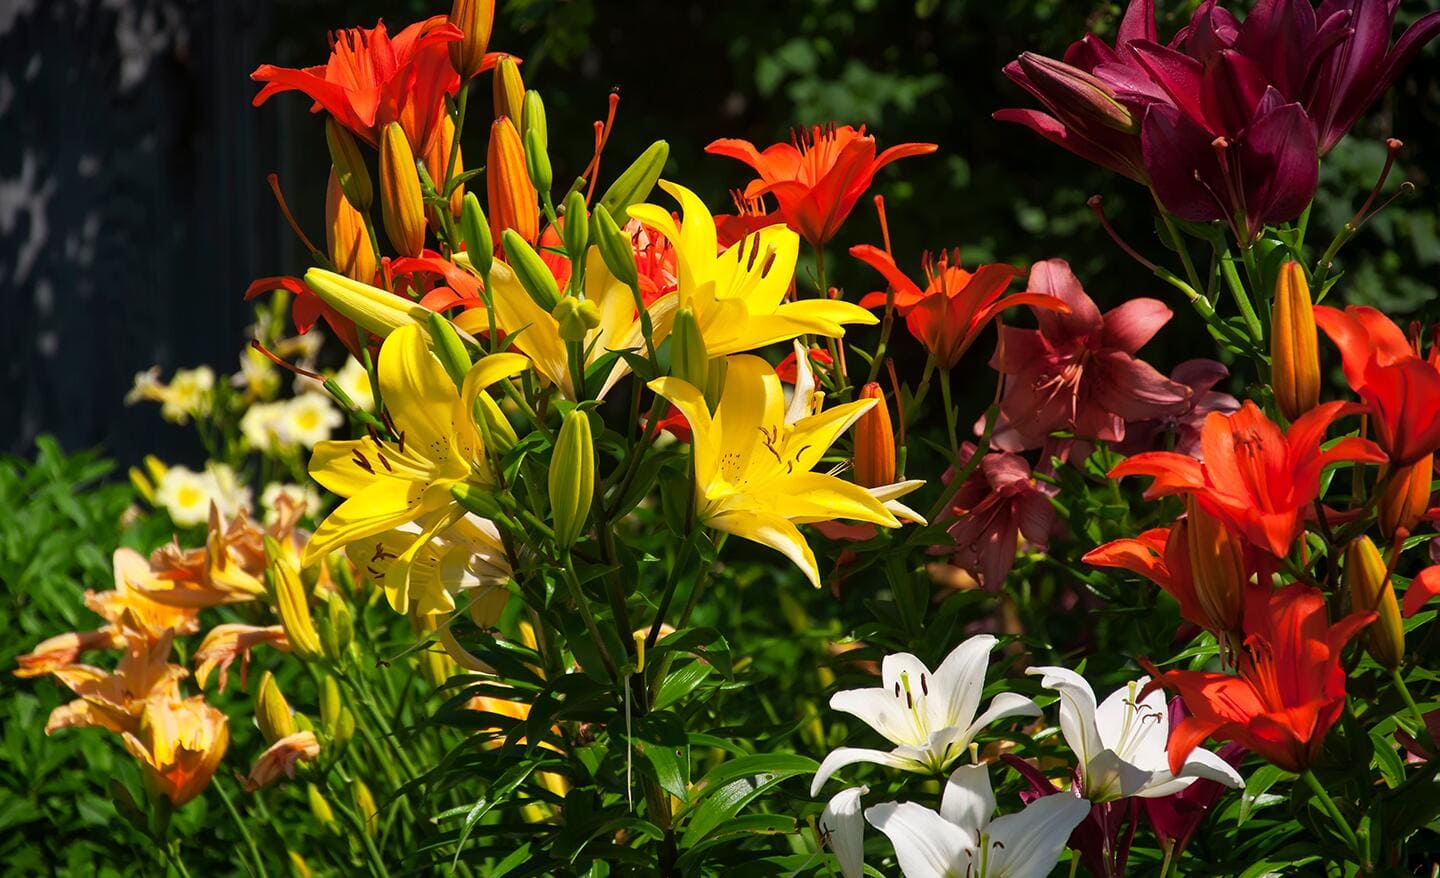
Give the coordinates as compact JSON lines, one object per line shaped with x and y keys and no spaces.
{"x":476,"y":500}
{"x":495,"y":428}
{"x":575,"y":318}
{"x":292,"y":604}
{"x":511,"y":196}
{"x":449,"y":350}
{"x":437,"y":162}
{"x":689,"y":360}
{"x":345,"y":235}
{"x":1217,"y":565}
{"x":475,"y":232}
{"x":577,"y":226}
{"x":509,"y":89}
{"x":1371,"y":590}
{"x":371,"y":308}
{"x":330,"y":704}
{"x":365,"y":804}
{"x":1078,"y":91}
{"x":537,"y":163}
{"x":874,"y":441}
{"x":272,"y":713}
{"x":402,"y":207}
{"x":340,"y":628}
{"x":615,"y":247}
{"x":349,"y":165}
{"x":318,"y":806}
{"x":1294,"y":354}
{"x":715,"y":381}
{"x":532,"y":117}
{"x":530,"y":270}
{"x":1407,"y":497}
{"x":572,"y":478}
{"x":476,"y":20}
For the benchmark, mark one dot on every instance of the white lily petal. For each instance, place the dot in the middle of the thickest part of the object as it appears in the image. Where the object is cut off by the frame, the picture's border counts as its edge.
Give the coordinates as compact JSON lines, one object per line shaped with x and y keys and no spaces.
{"x":926,"y":844}
{"x":1162,"y":784}
{"x":1137,"y":730}
{"x":1077,"y":710}
{"x":959,"y":682}
{"x":882,"y":711}
{"x":1203,"y":763}
{"x":968,"y":800}
{"x":1006,"y":704}
{"x":1107,"y":777}
{"x":843,"y":827}
{"x":804,"y":387}
{"x":1029,"y":844}
{"x":843,"y":756}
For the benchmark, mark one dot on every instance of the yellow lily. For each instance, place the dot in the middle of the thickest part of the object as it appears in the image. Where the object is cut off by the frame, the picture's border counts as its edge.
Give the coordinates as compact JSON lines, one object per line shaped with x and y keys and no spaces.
{"x":738,"y":296}
{"x":468,"y":555}
{"x":532,"y":330}
{"x":391,"y":484}
{"x":753,"y":465}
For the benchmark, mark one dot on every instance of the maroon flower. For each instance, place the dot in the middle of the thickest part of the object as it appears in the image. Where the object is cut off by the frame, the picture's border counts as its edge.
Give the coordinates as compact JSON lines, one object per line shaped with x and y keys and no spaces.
{"x":1183,"y":429}
{"x":999,"y":503}
{"x":1104,"y":837}
{"x":1078,"y":371}
{"x":1175,"y":818}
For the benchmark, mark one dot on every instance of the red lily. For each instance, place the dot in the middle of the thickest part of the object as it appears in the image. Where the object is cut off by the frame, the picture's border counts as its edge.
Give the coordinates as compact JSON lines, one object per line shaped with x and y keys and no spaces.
{"x":818,"y":176}
{"x":372,"y":79}
{"x":1255,"y":479}
{"x":1078,"y":372}
{"x":948,"y":315}
{"x":1290,"y":688}
{"x":1401,"y":390}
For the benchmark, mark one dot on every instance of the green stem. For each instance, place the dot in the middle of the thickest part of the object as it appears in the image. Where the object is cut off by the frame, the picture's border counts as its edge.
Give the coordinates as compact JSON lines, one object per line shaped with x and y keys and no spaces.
{"x":172,"y":853}
{"x":1399,"y":680}
{"x":455,"y":141}
{"x":950,"y":413}
{"x":1328,"y":804}
{"x":240,"y":824}
{"x":1178,"y":242}
{"x":1242,"y":300}
{"x":582,"y":604}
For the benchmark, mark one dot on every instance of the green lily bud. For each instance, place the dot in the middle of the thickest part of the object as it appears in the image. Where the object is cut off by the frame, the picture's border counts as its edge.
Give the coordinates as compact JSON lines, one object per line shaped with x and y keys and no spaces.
{"x":615,"y":247}
{"x":272,"y":712}
{"x":530,"y":270}
{"x":475,"y":232}
{"x":532,"y":116}
{"x":365,"y":804}
{"x":577,"y":226}
{"x":330,"y":705}
{"x":689,"y":361}
{"x":572,"y":478}
{"x":495,"y":428}
{"x":476,"y":500}
{"x":344,"y":728}
{"x":537,"y":162}
{"x":576,"y":317}
{"x":508,"y":89}
{"x":350,"y":170}
{"x":715,"y":381}
{"x":340,"y":624}
{"x":634,"y":184}
{"x":318,"y":806}
{"x":449,"y":349}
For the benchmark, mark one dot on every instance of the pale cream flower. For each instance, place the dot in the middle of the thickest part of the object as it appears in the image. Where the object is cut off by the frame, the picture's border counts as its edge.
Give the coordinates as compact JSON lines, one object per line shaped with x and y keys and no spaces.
{"x":355,"y":381}
{"x":188,"y":395}
{"x":308,"y":419}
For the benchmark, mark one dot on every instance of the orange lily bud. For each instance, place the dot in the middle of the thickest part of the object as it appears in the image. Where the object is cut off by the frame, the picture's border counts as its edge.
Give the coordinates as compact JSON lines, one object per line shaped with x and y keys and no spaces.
{"x":345,"y":235}
{"x":1294,"y":354}
{"x":437,"y":162}
{"x":1217,"y":566}
{"x":476,"y":19}
{"x":874,"y":441}
{"x":401,"y":204}
{"x":509,"y":89}
{"x":1366,"y":577}
{"x":513,"y":201}
{"x":1407,"y":497}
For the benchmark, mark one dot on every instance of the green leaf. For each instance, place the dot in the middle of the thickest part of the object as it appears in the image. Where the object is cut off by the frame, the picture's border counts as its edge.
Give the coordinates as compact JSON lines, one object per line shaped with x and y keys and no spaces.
{"x":681,"y":683}
{"x":1255,"y":788}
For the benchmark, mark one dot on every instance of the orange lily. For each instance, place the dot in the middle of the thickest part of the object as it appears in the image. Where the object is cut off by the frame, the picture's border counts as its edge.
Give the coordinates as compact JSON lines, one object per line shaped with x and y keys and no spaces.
{"x":179,"y":745}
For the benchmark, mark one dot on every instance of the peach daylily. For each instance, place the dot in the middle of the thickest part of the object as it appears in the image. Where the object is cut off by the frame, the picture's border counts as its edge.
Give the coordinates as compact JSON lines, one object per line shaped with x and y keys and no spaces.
{"x":179,"y":745}
{"x":223,"y":644}
{"x":281,"y":758}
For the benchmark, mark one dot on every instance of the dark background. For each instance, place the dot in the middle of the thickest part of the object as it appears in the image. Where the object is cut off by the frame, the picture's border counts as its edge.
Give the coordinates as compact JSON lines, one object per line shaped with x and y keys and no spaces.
{"x":134,"y":210}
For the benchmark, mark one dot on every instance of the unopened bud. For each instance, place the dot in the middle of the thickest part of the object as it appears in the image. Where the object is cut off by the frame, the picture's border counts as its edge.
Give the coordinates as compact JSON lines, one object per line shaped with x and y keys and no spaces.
{"x":402,"y":206}
{"x":476,"y":20}
{"x":530,"y":270}
{"x":532,"y":117}
{"x":511,"y":197}
{"x":318,"y":806}
{"x":509,"y":89}
{"x":346,"y":236}
{"x":292,"y":604}
{"x":689,"y":360}
{"x":365,"y":804}
{"x":494,"y":427}
{"x":575,"y":318}
{"x":572,"y":478}
{"x":715,"y":381}
{"x":1371,"y":590}
{"x":1294,"y":354}
{"x":476,"y":500}
{"x":615,"y":247}
{"x":349,"y":164}
{"x":437,"y":162}
{"x":344,"y":728}
{"x":1077,"y":92}
{"x":475,"y":232}
{"x":1407,"y":497}
{"x":272,"y":712}
{"x":1217,"y":567}
{"x":537,"y":163}
{"x":330,"y":704}
{"x":340,"y":625}
{"x":449,"y":350}
{"x":577,"y":226}
{"x":874,"y":441}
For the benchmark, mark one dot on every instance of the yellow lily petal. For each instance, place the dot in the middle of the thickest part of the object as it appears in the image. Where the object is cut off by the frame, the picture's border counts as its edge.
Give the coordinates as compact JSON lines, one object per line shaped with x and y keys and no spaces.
{"x":706,"y":441}
{"x":771,"y":530}
{"x":749,"y":417}
{"x":814,"y":435}
{"x":758,"y":268}
{"x":487,"y":371}
{"x":530,"y":328}
{"x":385,"y":504}
{"x":809,"y":497}
{"x":695,"y":247}
{"x":428,"y":592}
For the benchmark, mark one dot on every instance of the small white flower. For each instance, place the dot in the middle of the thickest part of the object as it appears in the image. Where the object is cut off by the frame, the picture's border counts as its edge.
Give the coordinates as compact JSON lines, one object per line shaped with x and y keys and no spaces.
{"x":188,"y":395}
{"x":186,"y":495}
{"x":930,"y":717}
{"x":260,"y":425}
{"x":303,"y":496}
{"x":226,"y":489}
{"x":1121,"y":743}
{"x":355,"y":381}
{"x":962,"y":840}
{"x":843,"y":830}
{"x":308,"y":419}
{"x":148,"y":387}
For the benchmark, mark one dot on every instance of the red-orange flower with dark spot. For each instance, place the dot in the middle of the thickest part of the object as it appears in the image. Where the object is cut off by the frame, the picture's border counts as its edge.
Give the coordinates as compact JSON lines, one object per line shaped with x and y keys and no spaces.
{"x":949,"y":313}
{"x":1258,"y":481}
{"x":818,"y":176}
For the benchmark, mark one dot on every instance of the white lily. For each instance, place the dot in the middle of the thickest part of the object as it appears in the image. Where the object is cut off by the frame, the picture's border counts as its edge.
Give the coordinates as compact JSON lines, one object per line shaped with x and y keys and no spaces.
{"x":843,"y":829}
{"x":962,"y":840}
{"x":1121,"y":743}
{"x":930,"y":717}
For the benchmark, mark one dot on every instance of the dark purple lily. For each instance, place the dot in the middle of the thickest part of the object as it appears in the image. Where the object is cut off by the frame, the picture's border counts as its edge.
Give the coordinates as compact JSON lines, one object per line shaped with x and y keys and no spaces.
{"x":1175,"y":818}
{"x":1104,"y":837}
{"x":1181,"y":432}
